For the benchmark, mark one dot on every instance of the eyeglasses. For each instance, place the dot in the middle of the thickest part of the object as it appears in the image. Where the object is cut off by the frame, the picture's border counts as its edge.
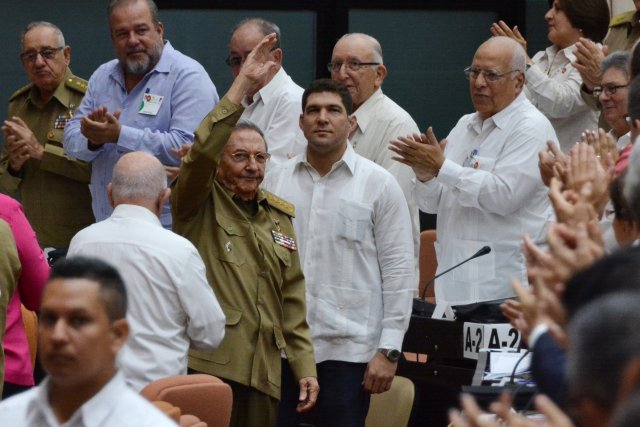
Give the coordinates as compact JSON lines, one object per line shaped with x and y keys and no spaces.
{"x":608,"y":89}
{"x":334,"y":67}
{"x":46,"y":53}
{"x":243,"y":157}
{"x":472,"y":73}
{"x":234,"y":61}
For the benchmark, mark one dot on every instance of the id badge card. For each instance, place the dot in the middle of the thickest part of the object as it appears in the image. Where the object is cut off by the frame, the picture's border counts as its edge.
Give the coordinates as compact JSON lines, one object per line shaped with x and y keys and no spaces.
{"x":150,"y":104}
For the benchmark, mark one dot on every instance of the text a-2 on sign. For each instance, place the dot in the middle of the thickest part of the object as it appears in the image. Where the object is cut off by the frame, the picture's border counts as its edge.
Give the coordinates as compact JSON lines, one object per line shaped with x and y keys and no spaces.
{"x":481,"y":336}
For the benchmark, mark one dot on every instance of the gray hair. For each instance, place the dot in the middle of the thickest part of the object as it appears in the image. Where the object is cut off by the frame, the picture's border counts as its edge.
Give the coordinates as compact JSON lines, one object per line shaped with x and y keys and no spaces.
{"x":146,"y":181}
{"x":247,"y":125}
{"x":376,"y":48}
{"x":35,"y":24}
{"x":153,"y":8}
{"x":265,"y":27}
{"x":518,"y":59}
{"x":618,"y":60}
{"x":604,"y":337}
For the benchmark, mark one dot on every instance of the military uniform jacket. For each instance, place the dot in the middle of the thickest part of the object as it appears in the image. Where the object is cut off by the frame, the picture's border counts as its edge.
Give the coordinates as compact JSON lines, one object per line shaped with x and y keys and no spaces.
{"x":9,"y":276}
{"x":624,"y":31}
{"x":55,"y":190}
{"x":258,"y":282}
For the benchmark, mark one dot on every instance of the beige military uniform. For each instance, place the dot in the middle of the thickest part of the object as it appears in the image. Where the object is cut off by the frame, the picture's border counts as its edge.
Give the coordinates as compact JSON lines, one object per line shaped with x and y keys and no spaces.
{"x":54,"y":191}
{"x":9,"y":275}
{"x":258,"y":282}
{"x":624,"y":30}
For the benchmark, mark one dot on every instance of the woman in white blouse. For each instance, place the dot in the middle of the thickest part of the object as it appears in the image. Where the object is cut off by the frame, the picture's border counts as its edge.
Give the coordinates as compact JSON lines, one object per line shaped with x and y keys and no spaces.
{"x":552,"y":83}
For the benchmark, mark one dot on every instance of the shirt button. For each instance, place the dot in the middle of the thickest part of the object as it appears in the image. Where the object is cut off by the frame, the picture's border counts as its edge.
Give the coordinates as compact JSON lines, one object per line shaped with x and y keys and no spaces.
{"x":225,"y":111}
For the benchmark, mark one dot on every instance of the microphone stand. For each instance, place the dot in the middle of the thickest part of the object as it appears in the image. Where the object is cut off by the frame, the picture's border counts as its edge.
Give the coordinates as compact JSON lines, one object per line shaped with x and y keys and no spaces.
{"x":423,"y":308}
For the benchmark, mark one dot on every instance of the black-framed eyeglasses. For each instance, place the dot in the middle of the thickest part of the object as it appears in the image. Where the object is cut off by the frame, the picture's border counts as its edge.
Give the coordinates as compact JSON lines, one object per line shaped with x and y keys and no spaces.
{"x":607,"y":89}
{"x":46,"y":53}
{"x":334,"y":67}
{"x":472,"y":73}
{"x":243,"y":157}
{"x":234,"y":61}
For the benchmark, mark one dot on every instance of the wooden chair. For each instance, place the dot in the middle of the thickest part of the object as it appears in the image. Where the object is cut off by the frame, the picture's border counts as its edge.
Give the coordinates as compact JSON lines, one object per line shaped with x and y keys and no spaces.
{"x":176,"y":415}
{"x":30,"y":322}
{"x":428,"y":265}
{"x":392,"y":408}
{"x":205,"y":396}
{"x":428,"y":261}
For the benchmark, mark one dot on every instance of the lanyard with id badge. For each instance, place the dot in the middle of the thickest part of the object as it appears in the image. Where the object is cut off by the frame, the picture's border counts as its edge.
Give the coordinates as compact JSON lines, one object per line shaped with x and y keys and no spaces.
{"x":150,"y":104}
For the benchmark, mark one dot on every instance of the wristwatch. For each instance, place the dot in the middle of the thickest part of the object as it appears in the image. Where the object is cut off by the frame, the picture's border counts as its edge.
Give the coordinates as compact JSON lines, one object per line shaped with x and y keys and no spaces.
{"x":391,"y":353}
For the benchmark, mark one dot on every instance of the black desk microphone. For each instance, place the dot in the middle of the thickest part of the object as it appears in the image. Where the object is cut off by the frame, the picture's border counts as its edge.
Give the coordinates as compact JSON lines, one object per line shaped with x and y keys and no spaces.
{"x":422,"y":307}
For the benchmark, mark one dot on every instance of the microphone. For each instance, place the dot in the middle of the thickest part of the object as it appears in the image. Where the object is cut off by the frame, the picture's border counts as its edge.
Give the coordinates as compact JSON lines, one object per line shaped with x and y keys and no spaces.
{"x":420,"y":305}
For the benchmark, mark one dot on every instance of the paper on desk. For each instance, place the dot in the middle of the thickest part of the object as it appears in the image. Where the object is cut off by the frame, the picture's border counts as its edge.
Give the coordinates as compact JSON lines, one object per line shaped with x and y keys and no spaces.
{"x":502,"y":363}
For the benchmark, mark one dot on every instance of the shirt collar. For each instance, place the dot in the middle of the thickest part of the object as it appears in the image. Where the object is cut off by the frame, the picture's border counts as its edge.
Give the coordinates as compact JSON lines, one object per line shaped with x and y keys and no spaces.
{"x":501,"y":118}
{"x":134,"y":211}
{"x":268,"y":92}
{"x":364,"y":113}
{"x":567,"y":52}
{"x":93,"y":412}
{"x":163,"y":65}
{"x":96,"y":410}
{"x":61,"y":94}
{"x":348,"y":158}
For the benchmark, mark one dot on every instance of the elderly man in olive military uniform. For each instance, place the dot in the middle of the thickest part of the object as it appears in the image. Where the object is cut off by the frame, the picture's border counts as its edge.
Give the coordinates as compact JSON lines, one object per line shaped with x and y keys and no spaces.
{"x":53,"y":188}
{"x":246,"y":239}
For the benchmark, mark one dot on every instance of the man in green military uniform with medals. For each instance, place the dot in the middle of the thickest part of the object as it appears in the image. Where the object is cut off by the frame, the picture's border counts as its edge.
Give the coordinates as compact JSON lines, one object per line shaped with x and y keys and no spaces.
{"x":53,"y":188}
{"x":246,"y":239}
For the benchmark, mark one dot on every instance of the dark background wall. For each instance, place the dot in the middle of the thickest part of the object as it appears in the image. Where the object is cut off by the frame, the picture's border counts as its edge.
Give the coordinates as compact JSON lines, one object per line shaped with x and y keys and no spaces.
{"x":426,"y":44}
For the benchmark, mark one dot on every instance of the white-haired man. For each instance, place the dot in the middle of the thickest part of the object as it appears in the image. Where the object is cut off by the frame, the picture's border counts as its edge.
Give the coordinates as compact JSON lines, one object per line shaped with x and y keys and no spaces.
{"x":486,"y":182}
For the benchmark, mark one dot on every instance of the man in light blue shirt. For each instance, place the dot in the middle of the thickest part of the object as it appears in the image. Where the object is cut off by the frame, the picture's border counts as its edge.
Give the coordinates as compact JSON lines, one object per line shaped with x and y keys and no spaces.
{"x":151,"y":98}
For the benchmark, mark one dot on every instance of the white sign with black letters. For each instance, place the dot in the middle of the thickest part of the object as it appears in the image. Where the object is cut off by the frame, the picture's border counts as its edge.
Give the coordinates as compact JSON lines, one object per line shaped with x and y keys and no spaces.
{"x":481,"y":336}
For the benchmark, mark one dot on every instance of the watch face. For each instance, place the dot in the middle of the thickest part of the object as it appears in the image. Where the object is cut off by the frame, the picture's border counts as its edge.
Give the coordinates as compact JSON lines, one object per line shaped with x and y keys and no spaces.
{"x":393,"y":355}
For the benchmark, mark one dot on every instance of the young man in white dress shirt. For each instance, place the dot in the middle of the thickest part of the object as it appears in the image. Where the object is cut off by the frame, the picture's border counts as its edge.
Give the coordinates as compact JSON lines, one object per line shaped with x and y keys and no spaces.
{"x":356,"y":250}
{"x":81,"y":329}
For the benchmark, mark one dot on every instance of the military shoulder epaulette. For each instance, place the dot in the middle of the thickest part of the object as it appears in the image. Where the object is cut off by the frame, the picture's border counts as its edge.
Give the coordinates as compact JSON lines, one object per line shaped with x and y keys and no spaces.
{"x":280,"y":204}
{"x":623,"y":18}
{"x":76,"y":83}
{"x":22,"y":90}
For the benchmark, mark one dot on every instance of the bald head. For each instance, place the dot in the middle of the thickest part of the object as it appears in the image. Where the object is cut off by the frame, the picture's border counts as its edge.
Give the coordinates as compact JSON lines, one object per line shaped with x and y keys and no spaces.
{"x":499,"y":56}
{"x":246,"y":36}
{"x":366,"y":80}
{"x":510,"y":49}
{"x":138,"y":179}
{"x":365,"y":40}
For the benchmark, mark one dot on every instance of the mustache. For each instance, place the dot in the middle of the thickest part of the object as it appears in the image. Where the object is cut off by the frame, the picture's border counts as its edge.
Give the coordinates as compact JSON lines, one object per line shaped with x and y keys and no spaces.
{"x":137,"y":50}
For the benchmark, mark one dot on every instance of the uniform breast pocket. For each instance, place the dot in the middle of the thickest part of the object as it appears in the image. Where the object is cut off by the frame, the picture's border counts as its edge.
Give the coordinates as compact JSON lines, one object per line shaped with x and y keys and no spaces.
{"x":229,"y":253}
{"x":353,"y":221}
{"x":229,"y":245}
{"x":54,"y":136}
{"x":283,"y":254}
